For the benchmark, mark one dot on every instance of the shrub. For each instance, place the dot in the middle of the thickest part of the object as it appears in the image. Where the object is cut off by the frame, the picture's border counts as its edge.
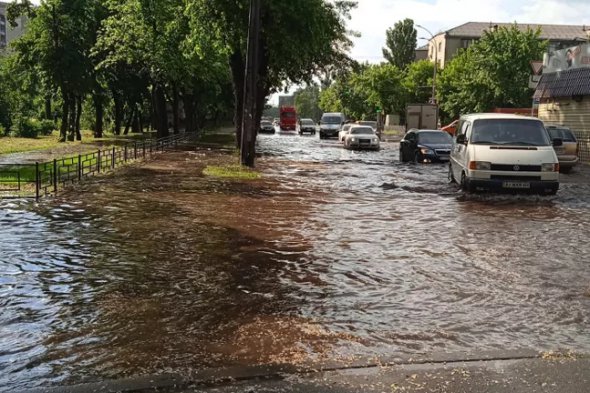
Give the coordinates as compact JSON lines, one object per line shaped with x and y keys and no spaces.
{"x":2,"y":130}
{"x":46,"y":127}
{"x":28,"y":128}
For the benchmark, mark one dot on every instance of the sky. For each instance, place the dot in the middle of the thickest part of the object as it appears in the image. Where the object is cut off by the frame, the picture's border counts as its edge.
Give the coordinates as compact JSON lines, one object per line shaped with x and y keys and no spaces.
{"x":372,"y":17}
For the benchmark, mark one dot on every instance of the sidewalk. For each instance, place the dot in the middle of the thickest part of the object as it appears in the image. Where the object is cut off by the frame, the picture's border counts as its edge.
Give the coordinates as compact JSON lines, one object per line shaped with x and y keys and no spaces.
{"x":492,"y":372}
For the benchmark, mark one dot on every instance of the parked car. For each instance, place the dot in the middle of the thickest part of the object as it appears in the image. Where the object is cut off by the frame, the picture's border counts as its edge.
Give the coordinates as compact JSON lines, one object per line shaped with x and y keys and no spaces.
{"x":345,"y":129}
{"x":306,"y":125}
{"x":568,"y":153}
{"x":425,"y":146}
{"x":372,"y":124}
{"x":266,"y":127}
{"x":504,"y":152}
{"x":361,"y":137}
{"x":331,"y":124}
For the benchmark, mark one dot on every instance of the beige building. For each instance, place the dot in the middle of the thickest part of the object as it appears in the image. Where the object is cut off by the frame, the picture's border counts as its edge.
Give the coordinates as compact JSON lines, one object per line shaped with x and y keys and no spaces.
{"x":421,"y":53}
{"x":446,"y":45}
{"x":7,"y":33}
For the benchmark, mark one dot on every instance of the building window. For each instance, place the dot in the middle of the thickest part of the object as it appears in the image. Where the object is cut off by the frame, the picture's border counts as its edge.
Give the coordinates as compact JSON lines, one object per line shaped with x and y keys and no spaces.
{"x":440,"y":46}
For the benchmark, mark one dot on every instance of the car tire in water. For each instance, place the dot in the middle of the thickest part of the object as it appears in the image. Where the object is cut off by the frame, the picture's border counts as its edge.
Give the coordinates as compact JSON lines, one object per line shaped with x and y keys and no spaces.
{"x":418,"y":158}
{"x":401,"y":156}
{"x":465,"y":185}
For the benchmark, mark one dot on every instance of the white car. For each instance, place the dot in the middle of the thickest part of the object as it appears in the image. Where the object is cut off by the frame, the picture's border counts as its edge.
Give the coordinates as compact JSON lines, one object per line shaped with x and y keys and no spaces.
{"x":361,"y":137}
{"x":343,"y":132}
{"x":504,"y":152}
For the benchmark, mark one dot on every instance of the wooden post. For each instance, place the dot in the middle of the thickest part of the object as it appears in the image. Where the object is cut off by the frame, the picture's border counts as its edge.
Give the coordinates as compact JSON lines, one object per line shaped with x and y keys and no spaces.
{"x":55,"y":176}
{"x":80,"y":167}
{"x":114,"y":158}
{"x":37,"y":181}
{"x":98,"y":162}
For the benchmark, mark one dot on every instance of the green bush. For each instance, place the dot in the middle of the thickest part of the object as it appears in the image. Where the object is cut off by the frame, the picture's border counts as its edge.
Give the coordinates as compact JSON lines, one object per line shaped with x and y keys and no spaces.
{"x":28,"y":128}
{"x":46,"y":127}
{"x":2,"y":131}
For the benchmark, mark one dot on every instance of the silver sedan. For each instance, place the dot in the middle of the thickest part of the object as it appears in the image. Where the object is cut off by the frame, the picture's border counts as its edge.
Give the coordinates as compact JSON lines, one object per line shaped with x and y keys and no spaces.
{"x":361,"y":137}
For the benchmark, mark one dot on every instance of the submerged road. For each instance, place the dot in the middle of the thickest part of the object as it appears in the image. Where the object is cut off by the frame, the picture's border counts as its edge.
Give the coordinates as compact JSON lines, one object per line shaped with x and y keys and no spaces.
{"x":333,"y":256}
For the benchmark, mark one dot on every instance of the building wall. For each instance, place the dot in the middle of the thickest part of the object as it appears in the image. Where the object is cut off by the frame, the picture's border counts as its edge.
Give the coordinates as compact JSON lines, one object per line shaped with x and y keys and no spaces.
{"x":7,"y":33}
{"x":421,"y":55}
{"x":439,"y":42}
{"x":573,"y":114}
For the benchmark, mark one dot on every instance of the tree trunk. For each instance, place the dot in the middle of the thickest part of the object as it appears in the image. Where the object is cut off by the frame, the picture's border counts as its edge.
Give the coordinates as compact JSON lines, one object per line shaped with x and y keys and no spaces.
{"x":136,"y":123}
{"x":118,"y":103}
{"x":72,"y":119}
{"x":129,"y":121}
{"x":175,"y":110}
{"x":237,"y":65}
{"x":48,"y":114}
{"x":160,"y":110}
{"x":78,"y":117}
{"x":140,"y":121}
{"x":99,"y":109}
{"x":63,"y":129}
{"x":189,"y":112}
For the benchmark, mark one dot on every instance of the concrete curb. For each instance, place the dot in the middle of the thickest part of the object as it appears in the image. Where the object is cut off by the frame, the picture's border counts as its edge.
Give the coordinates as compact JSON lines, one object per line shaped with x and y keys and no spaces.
{"x":217,"y":376}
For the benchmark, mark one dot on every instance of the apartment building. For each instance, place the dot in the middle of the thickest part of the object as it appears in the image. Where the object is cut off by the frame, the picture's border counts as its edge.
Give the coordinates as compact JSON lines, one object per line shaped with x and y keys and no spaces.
{"x":446,"y":45}
{"x":8,"y":33}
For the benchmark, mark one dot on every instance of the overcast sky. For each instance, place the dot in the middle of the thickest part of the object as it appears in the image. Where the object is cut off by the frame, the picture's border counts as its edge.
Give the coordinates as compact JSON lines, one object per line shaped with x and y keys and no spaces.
{"x":373,"y":17}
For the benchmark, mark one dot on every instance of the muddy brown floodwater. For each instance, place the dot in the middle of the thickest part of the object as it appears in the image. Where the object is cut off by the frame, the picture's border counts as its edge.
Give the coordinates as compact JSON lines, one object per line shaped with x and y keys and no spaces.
{"x":333,"y":255}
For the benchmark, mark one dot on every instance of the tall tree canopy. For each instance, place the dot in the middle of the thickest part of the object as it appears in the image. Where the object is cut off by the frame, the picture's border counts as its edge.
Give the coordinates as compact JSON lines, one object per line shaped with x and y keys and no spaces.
{"x":400,"y":44}
{"x":494,"y":72}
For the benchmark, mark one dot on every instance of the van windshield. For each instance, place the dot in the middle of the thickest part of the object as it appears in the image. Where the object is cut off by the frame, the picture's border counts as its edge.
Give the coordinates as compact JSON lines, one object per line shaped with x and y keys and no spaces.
{"x":332,"y":120}
{"x":509,"y":132}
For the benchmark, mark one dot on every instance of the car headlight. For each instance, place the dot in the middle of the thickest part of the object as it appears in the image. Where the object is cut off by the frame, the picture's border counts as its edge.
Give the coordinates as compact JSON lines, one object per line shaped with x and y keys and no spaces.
{"x":353,"y":139}
{"x":480,"y":165}
{"x":426,"y":151}
{"x":550,"y":167}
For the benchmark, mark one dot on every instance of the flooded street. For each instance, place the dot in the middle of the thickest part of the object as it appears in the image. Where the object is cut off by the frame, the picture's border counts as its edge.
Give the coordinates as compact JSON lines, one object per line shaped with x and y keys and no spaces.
{"x":333,"y":255}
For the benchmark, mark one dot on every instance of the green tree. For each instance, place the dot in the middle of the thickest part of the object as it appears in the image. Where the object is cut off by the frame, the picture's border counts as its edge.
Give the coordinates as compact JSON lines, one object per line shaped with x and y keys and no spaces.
{"x":494,"y":72}
{"x":400,"y":44}
{"x":307,"y":102}
{"x":418,"y":81}
{"x":320,"y":25}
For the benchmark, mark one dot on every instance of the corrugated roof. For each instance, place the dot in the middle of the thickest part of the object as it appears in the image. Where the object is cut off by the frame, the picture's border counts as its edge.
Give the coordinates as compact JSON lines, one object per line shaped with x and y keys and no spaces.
{"x":568,"y":83}
{"x":548,"y":32}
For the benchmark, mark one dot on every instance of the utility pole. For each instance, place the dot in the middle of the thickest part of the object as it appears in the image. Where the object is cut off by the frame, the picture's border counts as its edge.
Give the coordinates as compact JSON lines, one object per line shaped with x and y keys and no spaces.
{"x":248,"y":142}
{"x":435,"y":50}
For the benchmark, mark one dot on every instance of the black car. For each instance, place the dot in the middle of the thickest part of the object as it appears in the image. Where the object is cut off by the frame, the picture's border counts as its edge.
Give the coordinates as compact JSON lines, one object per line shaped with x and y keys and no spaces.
{"x":266,"y":127}
{"x":306,"y":125}
{"x":425,"y":146}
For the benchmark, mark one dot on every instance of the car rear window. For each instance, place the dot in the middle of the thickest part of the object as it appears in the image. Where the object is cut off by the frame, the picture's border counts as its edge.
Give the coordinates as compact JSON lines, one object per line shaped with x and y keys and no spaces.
{"x":332,"y":120}
{"x":509,"y":132}
{"x":561,"y":133}
{"x":435,"y":137}
{"x":307,"y":122}
{"x":362,"y":131}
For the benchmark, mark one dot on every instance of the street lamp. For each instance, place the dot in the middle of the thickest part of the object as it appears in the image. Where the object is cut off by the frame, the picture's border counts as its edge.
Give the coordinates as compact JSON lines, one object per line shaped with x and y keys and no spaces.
{"x":435,"y":60}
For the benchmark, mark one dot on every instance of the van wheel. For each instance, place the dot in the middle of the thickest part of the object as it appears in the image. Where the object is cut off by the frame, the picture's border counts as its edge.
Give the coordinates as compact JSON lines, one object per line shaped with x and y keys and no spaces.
{"x":450,"y":175}
{"x":465,"y":185}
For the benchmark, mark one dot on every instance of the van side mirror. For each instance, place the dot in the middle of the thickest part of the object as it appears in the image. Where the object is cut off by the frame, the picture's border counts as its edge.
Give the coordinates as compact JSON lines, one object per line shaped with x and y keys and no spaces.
{"x":557,"y":142}
{"x":461,"y":139}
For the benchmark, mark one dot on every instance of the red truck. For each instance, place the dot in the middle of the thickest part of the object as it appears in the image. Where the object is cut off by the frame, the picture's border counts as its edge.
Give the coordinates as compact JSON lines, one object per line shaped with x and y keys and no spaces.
{"x":288,"y":118}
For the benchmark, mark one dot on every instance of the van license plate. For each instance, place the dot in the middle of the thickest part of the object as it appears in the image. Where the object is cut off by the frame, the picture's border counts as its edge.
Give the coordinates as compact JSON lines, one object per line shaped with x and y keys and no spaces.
{"x":516,"y":184}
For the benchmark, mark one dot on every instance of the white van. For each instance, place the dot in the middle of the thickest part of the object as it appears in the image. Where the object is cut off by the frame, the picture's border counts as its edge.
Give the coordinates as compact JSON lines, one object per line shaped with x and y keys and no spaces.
{"x":504,"y":152}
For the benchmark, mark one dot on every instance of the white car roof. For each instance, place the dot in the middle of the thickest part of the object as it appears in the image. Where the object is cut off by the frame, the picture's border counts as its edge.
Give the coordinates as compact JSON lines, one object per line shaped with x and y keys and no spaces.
{"x":479,"y":116}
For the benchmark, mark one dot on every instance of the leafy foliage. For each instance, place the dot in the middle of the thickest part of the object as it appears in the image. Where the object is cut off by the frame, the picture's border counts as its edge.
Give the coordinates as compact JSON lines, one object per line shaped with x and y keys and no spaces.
{"x":400,"y":44}
{"x":493,"y":72}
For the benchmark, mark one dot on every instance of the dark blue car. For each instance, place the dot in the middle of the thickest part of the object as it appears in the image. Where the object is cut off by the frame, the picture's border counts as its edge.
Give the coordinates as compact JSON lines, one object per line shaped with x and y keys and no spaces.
{"x":425,"y":146}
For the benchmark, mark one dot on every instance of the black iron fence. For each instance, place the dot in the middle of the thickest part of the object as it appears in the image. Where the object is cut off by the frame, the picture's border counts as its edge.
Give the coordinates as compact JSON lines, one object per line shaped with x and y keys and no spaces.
{"x":35,"y":180}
